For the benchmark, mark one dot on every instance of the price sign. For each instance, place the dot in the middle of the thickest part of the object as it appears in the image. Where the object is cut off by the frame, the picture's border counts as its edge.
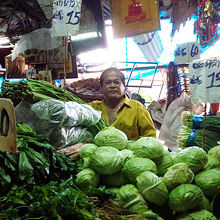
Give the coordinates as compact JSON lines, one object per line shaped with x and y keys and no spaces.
{"x":66,"y":17}
{"x":7,"y":126}
{"x":186,"y":53}
{"x":205,"y":80}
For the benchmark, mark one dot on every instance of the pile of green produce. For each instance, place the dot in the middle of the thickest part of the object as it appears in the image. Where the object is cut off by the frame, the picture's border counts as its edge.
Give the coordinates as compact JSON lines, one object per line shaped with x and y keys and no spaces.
{"x":183,"y":188}
{"x":199,"y":130}
{"x":34,"y":91}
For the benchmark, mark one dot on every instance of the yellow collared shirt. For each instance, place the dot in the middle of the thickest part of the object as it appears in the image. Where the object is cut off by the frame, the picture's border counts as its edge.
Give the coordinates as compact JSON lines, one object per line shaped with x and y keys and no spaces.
{"x":132,"y":118}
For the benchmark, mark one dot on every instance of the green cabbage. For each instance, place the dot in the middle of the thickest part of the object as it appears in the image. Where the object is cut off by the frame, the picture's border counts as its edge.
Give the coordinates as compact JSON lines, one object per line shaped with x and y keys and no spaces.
{"x":139,"y":208}
{"x":106,"y":160}
{"x":136,"y":165}
{"x":213,"y":162}
{"x":86,"y":150}
{"x":131,"y":145}
{"x":215,"y":152}
{"x":152,"y":188}
{"x":87,"y":178}
{"x":112,"y":137}
{"x":115,"y":180}
{"x":128,"y":195}
{"x":127,"y":154}
{"x":209,"y":181}
{"x":185,"y":197}
{"x":148,"y":147}
{"x":178,"y":174}
{"x":205,"y":204}
{"x":163,"y":163}
{"x":195,"y":157}
{"x":174,"y":154}
{"x":199,"y":215}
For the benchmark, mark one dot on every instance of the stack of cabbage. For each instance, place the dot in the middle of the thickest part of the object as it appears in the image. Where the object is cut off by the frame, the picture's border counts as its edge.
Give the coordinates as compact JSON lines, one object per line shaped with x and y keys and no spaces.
{"x":144,"y":176}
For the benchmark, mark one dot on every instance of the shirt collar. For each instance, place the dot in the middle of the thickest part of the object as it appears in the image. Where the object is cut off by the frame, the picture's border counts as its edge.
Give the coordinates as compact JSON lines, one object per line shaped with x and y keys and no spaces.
{"x":126,"y":101}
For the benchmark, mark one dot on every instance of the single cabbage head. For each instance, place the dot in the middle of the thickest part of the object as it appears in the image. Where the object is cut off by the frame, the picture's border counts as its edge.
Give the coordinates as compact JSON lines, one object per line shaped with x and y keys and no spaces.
{"x":209,"y":181}
{"x":128,"y":195}
{"x":148,"y":147}
{"x":185,"y":197}
{"x":215,"y":152}
{"x":136,"y":165}
{"x":195,"y":157}
{"x":213,"y":162}
{"x":163,"y":163}
{"x":199,"y":215}
{"x":112,"y":137}
{"x":178,"y":174}
{"x":152,"y":188}
{"x":106,"y":160}
{"x":86,"y":150}
{"x":115,"y":180}
{"x":87,"y":178}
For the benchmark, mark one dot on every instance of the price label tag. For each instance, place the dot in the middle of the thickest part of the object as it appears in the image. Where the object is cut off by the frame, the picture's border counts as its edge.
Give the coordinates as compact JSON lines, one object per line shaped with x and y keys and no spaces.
{"x":205,"y":80}
{"x":186,"y":53}
{"x":66,"y":17}
{"x":7,"y":126}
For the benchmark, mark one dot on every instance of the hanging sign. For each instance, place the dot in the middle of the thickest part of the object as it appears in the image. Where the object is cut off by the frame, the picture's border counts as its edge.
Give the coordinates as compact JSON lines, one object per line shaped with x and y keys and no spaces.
{"x":66,"y":17}
{"x":7,"y":126}
{"x":205,"y":80}
{"x":133,"y":17}
{"x":186,"y":53}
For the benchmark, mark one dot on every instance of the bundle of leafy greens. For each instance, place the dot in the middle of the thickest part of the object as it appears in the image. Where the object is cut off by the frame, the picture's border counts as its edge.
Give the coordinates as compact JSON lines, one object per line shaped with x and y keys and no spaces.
{"x":51,"y":201}
{"x":36,"y":163}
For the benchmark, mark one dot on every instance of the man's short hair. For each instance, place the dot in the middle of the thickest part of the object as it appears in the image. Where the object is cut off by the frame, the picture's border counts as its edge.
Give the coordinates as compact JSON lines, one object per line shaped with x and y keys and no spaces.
{"x":112,"y":69}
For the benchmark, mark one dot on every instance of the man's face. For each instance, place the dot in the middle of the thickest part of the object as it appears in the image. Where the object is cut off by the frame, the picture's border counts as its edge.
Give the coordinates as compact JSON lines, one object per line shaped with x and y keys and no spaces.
{"x":112,"y":86}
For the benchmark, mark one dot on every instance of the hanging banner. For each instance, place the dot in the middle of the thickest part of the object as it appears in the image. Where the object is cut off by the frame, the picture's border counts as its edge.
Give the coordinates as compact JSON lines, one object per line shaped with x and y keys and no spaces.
{"x":7,"y":126}
{"x":66,"y":17}
{"x":186,"y":53}
{"x":205,"y":80}
{"x":133,"y":17}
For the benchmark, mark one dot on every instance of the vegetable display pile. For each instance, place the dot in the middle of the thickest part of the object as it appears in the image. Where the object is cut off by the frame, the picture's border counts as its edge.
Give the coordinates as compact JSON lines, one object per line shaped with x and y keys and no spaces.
{"x":199,"y":130}
{"x":184,"y":186}
{"x":34,"y":91}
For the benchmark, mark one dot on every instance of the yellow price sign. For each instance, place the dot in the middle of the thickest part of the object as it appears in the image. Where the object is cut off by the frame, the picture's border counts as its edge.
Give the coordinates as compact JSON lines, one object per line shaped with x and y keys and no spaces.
{"x":7,"y":126}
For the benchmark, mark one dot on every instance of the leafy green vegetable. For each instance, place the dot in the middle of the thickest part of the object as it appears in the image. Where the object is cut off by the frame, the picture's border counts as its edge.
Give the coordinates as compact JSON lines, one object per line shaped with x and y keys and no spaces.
{"x":215,"y":152}
{"x":87,"y":178}
{"x":127,"y":154}
{"x":46,"y":202}
{"x":213,"y":162}
{"x":128,"y":195}
{"x":115,"y":180}
{"x":148,"y":147}
{"x":163,"y":163}
{"x":199,"y":215}
{"x":106,"y":160}
{"x":112,"y":137}
{"x":136,"y":165}
{"x":209,"y":181}
{"x":195,"y":157}
{"x":152,"y":188}
{"x":185,"y":197}
{"x":178,"y":174}
{"x":86,"y":150}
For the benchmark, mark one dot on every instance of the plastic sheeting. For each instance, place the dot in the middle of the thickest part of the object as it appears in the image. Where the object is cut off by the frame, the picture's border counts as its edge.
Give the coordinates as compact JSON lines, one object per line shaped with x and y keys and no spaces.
{"x":63,"y":123}
{"x":40,"y":39}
